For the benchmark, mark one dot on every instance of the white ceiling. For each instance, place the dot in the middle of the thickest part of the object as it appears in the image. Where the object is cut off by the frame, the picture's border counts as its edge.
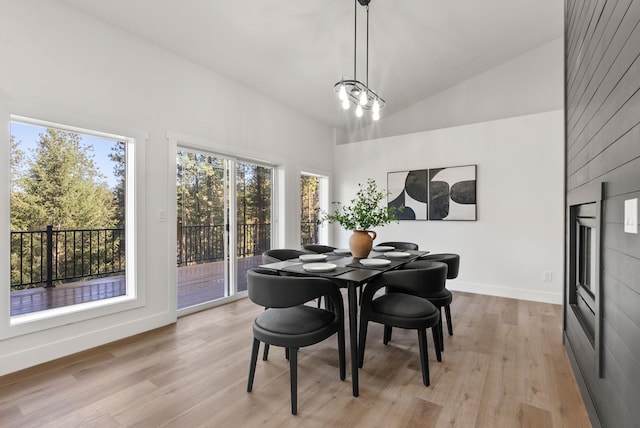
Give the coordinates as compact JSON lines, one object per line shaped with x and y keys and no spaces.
{"x":294,"y":51}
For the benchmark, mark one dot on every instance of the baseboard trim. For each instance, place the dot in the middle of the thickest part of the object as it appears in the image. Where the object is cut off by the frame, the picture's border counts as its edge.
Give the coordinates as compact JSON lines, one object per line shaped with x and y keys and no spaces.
{"x":50,"y":351}
{"x":510,"y":292}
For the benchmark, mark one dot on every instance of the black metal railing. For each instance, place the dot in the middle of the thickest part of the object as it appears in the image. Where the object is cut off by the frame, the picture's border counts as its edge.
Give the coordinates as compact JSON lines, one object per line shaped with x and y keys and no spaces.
{"x":309,"y":232}
{"x":49,"y":257}
{"x":200,"y":244}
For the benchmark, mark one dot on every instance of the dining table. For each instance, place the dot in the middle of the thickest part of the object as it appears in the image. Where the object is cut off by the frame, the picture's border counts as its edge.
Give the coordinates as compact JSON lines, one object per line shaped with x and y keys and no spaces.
{"x":350,"y":273}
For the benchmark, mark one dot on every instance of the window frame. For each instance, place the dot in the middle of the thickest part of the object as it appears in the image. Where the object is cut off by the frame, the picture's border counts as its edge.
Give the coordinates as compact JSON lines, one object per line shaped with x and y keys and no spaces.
{"x":177,"y":141}
{"x":134,"y":237}
{"x":324,"y":182}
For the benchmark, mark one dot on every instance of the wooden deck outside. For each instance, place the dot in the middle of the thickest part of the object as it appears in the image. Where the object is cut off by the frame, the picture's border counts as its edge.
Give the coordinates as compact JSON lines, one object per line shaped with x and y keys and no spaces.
{"x":195,"y":283}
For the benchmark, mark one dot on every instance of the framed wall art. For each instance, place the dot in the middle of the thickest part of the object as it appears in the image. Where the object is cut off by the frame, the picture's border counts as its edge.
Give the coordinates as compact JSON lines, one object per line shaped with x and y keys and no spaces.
{"x":434,"y":194}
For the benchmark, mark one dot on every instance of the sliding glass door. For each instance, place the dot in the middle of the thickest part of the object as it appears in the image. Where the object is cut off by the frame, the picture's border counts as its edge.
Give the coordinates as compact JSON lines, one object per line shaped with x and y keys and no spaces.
{"x":224,"y":209}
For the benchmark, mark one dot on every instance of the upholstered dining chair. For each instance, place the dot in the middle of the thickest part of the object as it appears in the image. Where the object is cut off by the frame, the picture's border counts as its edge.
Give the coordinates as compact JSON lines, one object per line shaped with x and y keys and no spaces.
{"x":289,"y":323}
{"x":400,"y":245}
{"x":280,"y":254}
{"x":319,"y":248}
{"x":453,"y":266}
{"x":401,"y":309}
{"x":433,"y":290}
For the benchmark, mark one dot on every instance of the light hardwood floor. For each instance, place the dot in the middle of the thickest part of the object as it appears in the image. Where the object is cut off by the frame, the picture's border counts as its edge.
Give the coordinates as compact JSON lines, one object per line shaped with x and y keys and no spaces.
{"x":505,"y":366}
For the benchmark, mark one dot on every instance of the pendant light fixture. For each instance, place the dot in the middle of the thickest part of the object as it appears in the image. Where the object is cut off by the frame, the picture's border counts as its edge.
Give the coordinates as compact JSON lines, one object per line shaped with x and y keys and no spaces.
{"x":352,"y":91}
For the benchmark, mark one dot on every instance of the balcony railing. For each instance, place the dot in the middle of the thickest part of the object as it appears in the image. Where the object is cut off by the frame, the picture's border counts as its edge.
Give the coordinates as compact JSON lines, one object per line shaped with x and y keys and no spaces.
{"x":309,"y":232}
{"x":205,"y":243}
{"x":49,"y":257}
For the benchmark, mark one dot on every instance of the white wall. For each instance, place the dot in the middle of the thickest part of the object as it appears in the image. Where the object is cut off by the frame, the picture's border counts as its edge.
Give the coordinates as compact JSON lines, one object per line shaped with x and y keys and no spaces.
{"x":530,"y":83}
{"x":518,"y":234}
{"x":62,"y":66}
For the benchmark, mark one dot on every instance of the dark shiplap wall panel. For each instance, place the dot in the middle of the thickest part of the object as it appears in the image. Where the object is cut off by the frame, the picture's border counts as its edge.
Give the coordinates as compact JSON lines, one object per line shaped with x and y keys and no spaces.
{"x":611,"y":78}
{"x":602,"y":85}
{"x":593,"y":70}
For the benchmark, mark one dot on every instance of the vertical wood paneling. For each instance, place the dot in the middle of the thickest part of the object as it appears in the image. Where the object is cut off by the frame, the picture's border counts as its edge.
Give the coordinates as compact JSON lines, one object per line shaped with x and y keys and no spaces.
{"x":602,"y":89}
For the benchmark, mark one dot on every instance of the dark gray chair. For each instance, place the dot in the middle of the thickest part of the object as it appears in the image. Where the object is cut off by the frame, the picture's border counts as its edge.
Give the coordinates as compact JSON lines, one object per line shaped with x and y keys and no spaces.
{"x":433,"y":290}
{"x":289,"y":323}
{"x":453,"y":266}
{"x":318,"y":248}
{"x":280,"y":254}
{"x":401,"y":309}
{"x":400,"y":245}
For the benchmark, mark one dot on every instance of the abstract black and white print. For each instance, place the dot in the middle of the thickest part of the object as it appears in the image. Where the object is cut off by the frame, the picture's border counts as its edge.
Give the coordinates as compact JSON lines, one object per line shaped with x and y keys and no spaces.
{"x":452,"y":193}
{"x":408,"y":189}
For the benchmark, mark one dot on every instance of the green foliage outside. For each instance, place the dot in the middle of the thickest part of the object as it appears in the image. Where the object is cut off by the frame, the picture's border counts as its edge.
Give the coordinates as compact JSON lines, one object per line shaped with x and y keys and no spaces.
{"x":201,"y":192}
{"x":60,"y":185}
{"x":309,"y":209}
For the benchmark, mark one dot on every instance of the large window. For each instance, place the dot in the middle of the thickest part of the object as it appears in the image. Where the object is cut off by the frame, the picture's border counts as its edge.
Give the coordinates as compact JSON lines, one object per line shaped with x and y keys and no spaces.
{"x":312,"y":201}
{"x":68,"y":216}
{"x":224,"y":210}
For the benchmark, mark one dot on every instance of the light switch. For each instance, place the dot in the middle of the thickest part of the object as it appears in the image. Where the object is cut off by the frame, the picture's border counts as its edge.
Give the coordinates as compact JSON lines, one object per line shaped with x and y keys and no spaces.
{"x":162,"y":215}
{"x":631,"y":215}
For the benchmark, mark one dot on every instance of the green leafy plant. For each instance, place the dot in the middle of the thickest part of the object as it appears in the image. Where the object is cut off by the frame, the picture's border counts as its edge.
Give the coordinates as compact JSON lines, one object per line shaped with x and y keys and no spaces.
{"x":365,"y":211}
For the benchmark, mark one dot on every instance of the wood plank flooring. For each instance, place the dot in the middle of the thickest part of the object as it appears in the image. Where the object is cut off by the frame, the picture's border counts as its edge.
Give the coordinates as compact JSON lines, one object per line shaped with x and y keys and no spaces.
{"x":505,"y":366}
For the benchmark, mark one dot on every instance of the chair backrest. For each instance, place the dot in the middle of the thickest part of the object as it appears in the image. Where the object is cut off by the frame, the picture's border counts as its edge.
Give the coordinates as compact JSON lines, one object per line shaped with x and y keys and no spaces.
{"x":280,"y":254}
{"x":400,"y":245}
{"x":270,"y":290}
{"x":318,"y":248}
{"x":422,"y":280}
{"x":452,"y":260}
{"x":427,"y":278}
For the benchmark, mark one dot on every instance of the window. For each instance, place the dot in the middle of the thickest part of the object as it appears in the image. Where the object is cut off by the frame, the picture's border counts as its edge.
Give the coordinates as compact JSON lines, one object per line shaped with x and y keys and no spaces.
{"x":216,"y":196}
{"x":70,"y":223}
{"x":312,"y":200}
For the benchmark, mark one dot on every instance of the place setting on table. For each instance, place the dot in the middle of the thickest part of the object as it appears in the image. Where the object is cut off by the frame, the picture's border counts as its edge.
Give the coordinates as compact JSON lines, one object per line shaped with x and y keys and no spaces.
{"x":317,"y":264}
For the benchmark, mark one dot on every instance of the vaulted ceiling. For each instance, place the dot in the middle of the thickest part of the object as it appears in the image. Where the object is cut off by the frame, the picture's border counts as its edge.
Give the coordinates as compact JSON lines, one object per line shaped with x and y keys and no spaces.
{"x":293,"y":51}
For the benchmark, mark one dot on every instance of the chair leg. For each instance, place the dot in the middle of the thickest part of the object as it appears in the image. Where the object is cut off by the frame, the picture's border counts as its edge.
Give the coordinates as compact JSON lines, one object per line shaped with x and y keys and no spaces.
{"x":387,"y":334}
{"x":424,"y":356}
{"x":252,"y":365}
{"x":436,"y":342}
{"x":265,"y":353}
{"x":363,"y":340}
{"x":286,"y":353}
{"x":293,"y":370}
{"x":447,"y":312}
{"x":342,"y":354}
{"x":440,"y":330}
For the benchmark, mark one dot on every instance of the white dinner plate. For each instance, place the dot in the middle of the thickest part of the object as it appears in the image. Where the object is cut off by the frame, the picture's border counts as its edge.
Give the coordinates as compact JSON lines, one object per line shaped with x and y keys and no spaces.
{"x":319,"y":267}
{"x":342,"y":251}
{"x":313,"y":257}
{"x":375,"y":262}
{"x":396,"y":255}
{"x":382,"y":248}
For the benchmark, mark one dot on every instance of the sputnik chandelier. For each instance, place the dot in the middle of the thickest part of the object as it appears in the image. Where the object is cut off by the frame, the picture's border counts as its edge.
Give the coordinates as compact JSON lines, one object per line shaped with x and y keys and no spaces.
{"x":353,"y":91}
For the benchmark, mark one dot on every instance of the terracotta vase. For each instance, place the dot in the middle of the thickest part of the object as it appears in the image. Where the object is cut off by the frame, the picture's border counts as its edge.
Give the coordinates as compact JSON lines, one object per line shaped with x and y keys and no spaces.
{"x":361,"y":243}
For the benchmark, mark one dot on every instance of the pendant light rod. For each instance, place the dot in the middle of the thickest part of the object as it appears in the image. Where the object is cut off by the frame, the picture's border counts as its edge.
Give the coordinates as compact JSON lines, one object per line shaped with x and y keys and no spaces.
{"x":355,"y":37}
{"x":367,"y":75}
{"x":353,"y":92}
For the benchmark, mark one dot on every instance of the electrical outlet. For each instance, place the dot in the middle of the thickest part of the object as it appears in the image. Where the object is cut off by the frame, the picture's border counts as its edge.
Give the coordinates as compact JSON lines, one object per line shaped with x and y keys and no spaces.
{"x":547,"y":276}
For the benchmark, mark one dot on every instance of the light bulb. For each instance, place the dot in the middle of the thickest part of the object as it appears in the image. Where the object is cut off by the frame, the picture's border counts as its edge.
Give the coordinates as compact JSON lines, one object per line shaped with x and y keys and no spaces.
{"x":363,"y":98}
{"x":376,"y":107}
{"x":376,"y":115}
{"x":359,"y":110}
{"x":342,"y":94}
{"x":345,"y":104}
